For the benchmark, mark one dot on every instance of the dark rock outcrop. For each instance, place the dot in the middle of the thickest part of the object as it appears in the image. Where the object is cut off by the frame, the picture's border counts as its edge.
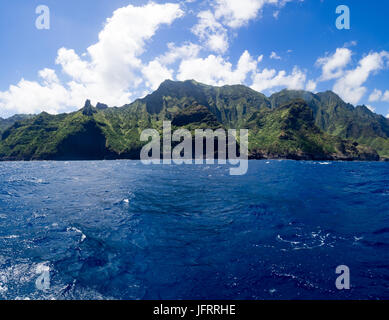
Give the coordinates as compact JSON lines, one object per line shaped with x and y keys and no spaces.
{"x":88,"y":109}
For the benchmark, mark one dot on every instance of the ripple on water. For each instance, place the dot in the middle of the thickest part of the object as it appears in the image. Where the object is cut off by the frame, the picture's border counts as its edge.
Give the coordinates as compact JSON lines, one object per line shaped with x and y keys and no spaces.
{"x":121,"y":230}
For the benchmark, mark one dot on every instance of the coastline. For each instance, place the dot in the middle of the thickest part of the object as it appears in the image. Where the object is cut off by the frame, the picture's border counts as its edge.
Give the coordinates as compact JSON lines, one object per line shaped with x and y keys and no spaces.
{"x":302,"y":159}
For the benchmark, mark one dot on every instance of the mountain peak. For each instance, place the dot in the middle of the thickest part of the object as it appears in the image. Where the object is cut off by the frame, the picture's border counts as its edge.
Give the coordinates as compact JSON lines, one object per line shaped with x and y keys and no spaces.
{"x":88,"y":109}
{"x":173,"y":84}
{"x":101,"y":106}
{"x":329,"y":95}
{"x":167,"y":82}
{"x":87,"y":104}
{"x":301,"y":125}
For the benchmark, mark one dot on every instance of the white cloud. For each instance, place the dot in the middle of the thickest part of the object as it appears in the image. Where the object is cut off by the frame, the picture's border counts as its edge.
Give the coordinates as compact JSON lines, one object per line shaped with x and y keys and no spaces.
{"x":237,"y":13}
{"x":371,"y":108}
{"x":49,"y":76}
{"x":214,"y":70}
{"x":212,"y":26}
{"x":274,"y":55}
{"x":385,"y":96}
{"x":186,"y":51}
{"x":311,"y":85}
{"x":155,"y":73}
{"x":350,"y":44}
{"x":211,"y":32}
{"x":114,"y":69}
{"x":375,"y":96}
{"x":350,"y":85}
{"x":333,"y":66}
{"x":115,"y":62}
{"x":378,"y":95}
{"x":108,"y":72}
{"x":218,"y":42}
{"x":33,"y":96}
{"x":270,"y":78}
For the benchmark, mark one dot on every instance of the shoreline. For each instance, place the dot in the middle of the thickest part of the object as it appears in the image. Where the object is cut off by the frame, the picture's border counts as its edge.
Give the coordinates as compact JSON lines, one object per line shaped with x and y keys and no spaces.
{"x":249,"y":159}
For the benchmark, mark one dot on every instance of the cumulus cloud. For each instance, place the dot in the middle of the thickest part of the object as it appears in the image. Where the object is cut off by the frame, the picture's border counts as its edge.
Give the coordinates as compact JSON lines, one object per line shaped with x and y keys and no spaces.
{"x":114,"y":69}
{"x":186,"y":51}
{"x":236,"y":13}
{"x":211,"y":32}
{"x":270,"y":78}
{"x":311,"y":85}
{"x":385,"y":97}
{"x":212,"y":26}
{"x":375,"y":96}
{"x":215,"y":70}
{"x":155,"y":73}
{"x":157,"y":70}
{"x":350,"y":85}
{"x":378,"y":95}
{"x":333,"y":66}
{"x":115,"y":64}
{"x":109,"y":70}
{"x":275,"y":56}
{"x":34,"y":96}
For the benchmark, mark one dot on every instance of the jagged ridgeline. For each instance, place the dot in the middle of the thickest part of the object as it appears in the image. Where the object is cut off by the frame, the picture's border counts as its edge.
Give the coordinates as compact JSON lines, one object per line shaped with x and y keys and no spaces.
{"x":288,"y":124}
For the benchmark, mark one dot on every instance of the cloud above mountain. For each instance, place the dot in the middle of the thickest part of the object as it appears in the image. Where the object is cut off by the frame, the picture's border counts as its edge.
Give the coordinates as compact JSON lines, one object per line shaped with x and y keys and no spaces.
{"x":123,"y":64}
{"x":107,"y":72}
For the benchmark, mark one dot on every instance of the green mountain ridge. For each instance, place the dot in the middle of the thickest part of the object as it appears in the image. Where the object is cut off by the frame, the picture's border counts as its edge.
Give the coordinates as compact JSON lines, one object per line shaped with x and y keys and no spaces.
{"x":289,"y":131}
{"x":6,"y":123}
{"x":289,"y":124}
{"x":338,"y":118}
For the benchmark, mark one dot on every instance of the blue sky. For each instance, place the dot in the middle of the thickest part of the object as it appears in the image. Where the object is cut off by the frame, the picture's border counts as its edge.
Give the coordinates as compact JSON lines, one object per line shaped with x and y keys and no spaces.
{"x":266,"y":44}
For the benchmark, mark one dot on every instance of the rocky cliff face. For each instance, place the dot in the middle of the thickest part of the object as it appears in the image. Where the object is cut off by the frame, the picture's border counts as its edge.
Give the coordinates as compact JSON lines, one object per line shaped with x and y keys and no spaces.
{"x":289,"y":124}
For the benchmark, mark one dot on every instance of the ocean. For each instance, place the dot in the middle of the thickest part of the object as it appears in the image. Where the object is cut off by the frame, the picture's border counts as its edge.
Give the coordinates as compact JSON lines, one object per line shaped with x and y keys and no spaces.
{"x":123,"y":230}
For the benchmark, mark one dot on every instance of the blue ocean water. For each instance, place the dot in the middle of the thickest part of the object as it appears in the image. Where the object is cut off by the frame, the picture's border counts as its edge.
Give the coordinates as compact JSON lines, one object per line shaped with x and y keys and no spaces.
{"x":122,"y":230}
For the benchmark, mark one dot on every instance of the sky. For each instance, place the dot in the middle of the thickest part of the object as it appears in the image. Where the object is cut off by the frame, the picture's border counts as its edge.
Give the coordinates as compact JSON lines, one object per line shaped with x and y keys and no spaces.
{"x":117,"y":51}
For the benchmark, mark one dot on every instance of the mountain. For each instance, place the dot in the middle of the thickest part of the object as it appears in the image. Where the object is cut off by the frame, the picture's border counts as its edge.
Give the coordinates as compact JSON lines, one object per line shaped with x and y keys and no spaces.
{"x":338,"y":118}
{"x":6,"y":123}
{"x":289,"y":131}
{"x":289,"y":124}
{"x":232,"y":105}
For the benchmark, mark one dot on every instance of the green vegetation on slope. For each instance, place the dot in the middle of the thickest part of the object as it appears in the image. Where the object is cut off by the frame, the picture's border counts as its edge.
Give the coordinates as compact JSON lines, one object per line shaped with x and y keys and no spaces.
{"x":6,"y":123}
{"x":338,"y":118}
{"x":289,"y":132}
{"x":289,"y":124}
